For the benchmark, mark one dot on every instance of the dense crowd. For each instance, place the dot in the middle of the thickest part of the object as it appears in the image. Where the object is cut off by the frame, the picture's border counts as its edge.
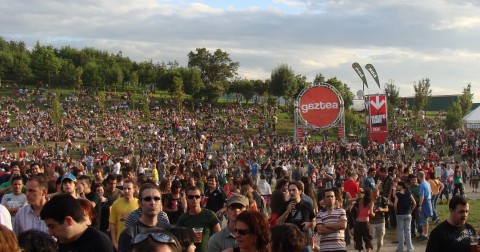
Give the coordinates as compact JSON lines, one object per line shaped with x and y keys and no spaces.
{"x":175,"y":176}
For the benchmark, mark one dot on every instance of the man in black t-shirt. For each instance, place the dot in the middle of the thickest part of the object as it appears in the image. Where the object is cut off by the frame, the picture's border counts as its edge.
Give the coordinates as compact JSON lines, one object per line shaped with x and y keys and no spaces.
{"x":64,"y":218}
{"x":453,"y":234}
{"x":298,"y":212}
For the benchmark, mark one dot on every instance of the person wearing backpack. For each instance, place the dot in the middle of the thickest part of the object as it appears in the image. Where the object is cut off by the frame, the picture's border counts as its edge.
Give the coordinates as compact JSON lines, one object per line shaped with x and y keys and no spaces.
{"x":404,"y":205}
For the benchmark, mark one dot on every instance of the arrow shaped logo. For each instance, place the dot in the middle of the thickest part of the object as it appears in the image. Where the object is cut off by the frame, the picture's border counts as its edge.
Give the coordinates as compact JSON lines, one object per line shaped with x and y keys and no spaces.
{"x":378,"y":104}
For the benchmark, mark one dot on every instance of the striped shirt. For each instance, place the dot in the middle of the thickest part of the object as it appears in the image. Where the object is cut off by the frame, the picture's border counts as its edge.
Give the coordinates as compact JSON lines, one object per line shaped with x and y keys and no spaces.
{"x":26,"y":219}
{"x":334,"y":241}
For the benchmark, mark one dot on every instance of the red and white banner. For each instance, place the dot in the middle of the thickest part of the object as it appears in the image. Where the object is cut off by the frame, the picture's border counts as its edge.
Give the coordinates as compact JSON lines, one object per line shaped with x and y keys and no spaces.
{"x":377,"y":117}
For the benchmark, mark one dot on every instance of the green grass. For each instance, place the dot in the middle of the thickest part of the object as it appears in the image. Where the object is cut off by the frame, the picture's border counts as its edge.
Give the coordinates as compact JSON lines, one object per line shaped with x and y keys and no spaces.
{"x":442,"y":209}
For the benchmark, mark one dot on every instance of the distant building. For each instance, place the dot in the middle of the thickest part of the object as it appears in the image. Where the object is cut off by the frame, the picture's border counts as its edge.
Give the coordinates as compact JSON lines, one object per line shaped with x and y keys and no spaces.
{"x":438,"y":102}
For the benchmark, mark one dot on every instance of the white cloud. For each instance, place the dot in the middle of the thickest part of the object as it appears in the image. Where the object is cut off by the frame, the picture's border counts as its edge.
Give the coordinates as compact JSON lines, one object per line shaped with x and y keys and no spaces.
{"x":405,"y":40}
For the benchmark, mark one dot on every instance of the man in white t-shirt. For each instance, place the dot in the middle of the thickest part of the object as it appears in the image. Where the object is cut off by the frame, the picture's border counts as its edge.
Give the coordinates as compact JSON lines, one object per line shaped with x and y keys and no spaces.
{"x":13,"y":201}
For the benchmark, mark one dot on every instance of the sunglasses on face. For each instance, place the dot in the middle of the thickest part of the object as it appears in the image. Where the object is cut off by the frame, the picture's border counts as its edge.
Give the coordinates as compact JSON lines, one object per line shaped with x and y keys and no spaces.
{"x":242,"y":231}
{"x":158,"y":237}
{"x":194,"y":196}
{"x":148,"y":198}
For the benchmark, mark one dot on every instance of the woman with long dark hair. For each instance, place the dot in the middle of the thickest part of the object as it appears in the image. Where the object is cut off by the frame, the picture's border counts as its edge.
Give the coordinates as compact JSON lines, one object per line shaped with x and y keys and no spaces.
{"x":362,"y":229}
{"x":252,"y":232}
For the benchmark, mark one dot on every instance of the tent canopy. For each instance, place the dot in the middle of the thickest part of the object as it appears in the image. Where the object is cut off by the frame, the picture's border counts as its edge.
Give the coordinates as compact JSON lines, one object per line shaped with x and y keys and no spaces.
{"x":472,"y":119}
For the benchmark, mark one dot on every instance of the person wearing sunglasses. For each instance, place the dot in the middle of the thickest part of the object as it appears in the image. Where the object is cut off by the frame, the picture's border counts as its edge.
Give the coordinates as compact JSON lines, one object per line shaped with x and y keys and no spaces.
{"x":150,"y":203}
{"x":156,"y":240}
{"x":252,"y":232}
{"x":224,"y":239}
{"x":197,"y":218}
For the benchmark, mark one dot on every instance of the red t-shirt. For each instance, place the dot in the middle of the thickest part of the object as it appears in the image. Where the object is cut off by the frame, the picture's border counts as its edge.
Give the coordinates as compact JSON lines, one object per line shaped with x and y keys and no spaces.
{"x":351,"y":187}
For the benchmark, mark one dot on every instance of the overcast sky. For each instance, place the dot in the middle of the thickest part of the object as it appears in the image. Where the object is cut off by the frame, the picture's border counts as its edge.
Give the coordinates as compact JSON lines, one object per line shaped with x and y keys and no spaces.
{"x":406,"y":41}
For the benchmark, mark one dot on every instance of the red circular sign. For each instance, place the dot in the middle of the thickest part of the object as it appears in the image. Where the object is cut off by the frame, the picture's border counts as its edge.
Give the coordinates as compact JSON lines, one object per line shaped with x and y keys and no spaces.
{"x":319,"y":106}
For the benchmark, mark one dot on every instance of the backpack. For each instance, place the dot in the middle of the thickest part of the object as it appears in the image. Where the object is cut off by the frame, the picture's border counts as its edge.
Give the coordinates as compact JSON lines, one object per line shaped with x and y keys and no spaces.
{"x":352,"y":214}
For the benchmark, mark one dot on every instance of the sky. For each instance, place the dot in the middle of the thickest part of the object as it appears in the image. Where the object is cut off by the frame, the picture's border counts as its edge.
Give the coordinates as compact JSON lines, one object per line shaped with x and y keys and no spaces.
{"x":406,"y":41}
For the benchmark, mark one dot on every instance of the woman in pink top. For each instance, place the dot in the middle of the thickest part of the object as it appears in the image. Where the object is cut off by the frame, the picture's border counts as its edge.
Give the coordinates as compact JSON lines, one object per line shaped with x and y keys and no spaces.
{"x":362,"y":229}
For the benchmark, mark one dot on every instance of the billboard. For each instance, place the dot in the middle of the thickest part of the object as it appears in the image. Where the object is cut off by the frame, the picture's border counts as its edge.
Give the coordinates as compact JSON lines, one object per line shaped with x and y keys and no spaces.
{"x":377,"y":117}
{"x":320,"y":106}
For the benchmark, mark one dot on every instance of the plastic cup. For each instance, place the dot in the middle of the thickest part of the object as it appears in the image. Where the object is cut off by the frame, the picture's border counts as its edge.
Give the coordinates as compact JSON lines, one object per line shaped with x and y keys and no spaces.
{"x":198,"y":234}
{"x":174,"y":204}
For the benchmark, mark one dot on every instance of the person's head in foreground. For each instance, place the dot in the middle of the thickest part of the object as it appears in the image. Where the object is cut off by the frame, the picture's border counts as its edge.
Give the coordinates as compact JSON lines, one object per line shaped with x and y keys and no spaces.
{"x":156,"y":240}
{"x":459,"y":209}
{"x":252,"y":231}
{"x":287,"y":237}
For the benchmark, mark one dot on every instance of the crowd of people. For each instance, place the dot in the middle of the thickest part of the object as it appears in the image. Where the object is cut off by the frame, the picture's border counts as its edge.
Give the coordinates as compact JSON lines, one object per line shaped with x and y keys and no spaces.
{"x":175,"y":177}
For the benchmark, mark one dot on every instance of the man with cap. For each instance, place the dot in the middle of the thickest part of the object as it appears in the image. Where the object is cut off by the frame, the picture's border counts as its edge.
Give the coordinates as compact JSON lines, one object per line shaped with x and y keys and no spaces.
{"x":225,"y":239}
{"x":69,"y":185}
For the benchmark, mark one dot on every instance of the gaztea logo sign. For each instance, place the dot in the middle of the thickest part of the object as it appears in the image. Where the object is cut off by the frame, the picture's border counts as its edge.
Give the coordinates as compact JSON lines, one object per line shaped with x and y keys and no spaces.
{"x":319,"y":106}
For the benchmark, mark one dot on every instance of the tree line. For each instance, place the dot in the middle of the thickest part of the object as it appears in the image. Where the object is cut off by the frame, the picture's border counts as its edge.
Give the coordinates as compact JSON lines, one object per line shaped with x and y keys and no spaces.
{"x":207,"y":77}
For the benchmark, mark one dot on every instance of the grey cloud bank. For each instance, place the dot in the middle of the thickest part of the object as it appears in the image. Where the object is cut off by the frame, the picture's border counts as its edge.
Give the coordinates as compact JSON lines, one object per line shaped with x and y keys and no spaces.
{"x":405,"y":40}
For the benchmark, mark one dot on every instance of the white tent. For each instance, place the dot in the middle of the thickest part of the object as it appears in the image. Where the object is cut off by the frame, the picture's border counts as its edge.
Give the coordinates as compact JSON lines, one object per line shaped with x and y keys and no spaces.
{"x":472,"y":119}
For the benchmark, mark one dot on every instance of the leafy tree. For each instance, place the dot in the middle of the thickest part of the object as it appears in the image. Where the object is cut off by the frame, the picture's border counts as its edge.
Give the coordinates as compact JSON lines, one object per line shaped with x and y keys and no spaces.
{"x":91,"y":75}
{"x":101,"y":101}
{"x":283,"y":82}
{"x":178,"y":92}
{"x":66,"y":75}
{"x":192,"y":82}
{"x":352,"y":122}
{"x":393,"y":96}
{"x":466,"y":99}
{"x":134,"y":83}
{"x":319,"y":78}
{"x":216,"y":69}
{"x":243,"y":87}
{"x":454,"y":116}
{"x":78,"y":78}
{"x":147,"y":72}
{"x":344,"y":91}
{"x":21,"y":70}
{"x":301,"y":84}
{"x":146,"y":108}
{"x":56,"y":110}
{"x":45,"y":64}
{"x":6,"y":58}
{"x":423,"y":95}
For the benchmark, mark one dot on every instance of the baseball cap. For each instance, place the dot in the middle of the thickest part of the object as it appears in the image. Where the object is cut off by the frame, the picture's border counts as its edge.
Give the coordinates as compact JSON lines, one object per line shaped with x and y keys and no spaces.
{"x":239,"y":199}
{"x":69,"y":176}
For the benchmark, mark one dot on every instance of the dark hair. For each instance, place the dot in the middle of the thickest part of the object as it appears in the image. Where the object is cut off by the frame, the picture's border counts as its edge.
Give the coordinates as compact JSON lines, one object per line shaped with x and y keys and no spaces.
{"x":150,"y":244}
{"x":367,"y":197}
{"x":17,"y":178}
{"x":36,"y":241}
{"x":89,"y":211}
{"x":86,"y":178}
{"x":402,"y":184}
{"x":193,"y":188}
{"x":383,"y":170}
{"x":433,"y":175}
{"x":328,"y":190}
{"x":110,"y":177}
{"x":287,"y":237}
{"x":457,"y":200}
{"x":298,"y":184}
{"x":61,"y":206}
{"x":146,"y":187}
{"x":41,"y":179}
{"x":280,"y":183}
{"x":185,"y":236}
{"x":257,"y":224}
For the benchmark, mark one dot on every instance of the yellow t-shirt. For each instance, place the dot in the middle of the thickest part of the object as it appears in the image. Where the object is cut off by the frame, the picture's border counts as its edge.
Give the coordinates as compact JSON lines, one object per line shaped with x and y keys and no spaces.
{"x":119,"y":212}
{"x":155,"y":174}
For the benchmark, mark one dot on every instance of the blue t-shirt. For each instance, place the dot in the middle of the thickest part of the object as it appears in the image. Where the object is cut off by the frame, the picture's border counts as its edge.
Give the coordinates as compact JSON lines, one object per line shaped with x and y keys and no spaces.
{"x":254,"y":169}
{"x":369,"y":183}
{"x":425,"y":190}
